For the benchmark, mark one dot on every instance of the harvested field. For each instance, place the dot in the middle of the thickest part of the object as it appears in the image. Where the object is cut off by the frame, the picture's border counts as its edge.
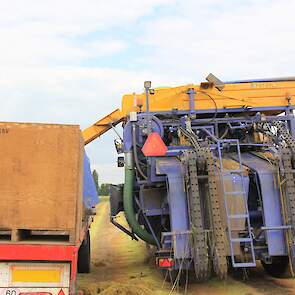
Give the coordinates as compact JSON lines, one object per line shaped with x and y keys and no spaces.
{"x":124,"y":267}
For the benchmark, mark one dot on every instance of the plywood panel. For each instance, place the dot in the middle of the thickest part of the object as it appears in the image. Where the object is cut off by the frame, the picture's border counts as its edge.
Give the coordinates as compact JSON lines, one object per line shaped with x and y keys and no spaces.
{"x":40,"y":176}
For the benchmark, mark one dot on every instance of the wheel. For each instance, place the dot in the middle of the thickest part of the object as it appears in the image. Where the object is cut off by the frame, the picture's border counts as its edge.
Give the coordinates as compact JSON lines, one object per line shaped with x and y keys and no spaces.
{"x":84,"y":255}
{"x":278,"y":268}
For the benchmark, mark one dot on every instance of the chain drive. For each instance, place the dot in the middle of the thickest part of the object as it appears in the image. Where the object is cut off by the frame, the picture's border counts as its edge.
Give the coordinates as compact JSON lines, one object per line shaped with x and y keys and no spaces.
{"x":200,"y":246}
{"x":218,"y":247}
{"x":287,"y":154}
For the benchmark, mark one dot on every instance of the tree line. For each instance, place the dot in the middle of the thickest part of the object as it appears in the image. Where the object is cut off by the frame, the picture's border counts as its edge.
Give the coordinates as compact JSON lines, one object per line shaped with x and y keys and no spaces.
{"x":104,"y":188}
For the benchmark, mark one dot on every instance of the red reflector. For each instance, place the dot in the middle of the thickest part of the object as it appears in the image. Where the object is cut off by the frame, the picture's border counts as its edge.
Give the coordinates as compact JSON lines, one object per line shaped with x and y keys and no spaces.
{"x":165,"y":262}
{"x":154,"y":146}
{"x":35,"y":293}
{"x":61,"y":292}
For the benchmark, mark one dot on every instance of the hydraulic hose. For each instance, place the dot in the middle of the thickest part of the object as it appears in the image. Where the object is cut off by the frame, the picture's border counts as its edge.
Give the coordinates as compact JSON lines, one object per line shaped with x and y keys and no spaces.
{"x":135,"y":152}
{"x":128,"y":202}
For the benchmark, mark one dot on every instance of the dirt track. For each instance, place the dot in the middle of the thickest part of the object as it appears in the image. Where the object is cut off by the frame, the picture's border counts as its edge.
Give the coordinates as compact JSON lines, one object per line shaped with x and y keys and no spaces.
{"x":123,"y":266}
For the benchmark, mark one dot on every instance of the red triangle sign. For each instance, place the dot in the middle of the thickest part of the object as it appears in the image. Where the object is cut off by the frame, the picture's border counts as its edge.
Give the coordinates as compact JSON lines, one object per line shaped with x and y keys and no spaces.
{"x":61,"y":292}
{"x":154,"y":146}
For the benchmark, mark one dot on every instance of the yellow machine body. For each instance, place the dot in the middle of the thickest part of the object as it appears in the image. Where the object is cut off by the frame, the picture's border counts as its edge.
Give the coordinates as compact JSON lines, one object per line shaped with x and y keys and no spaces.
{"x":245,"y":95}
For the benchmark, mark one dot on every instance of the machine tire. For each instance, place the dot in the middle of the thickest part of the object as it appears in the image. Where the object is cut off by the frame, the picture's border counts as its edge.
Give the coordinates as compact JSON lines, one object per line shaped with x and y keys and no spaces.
{"x":84,"y":255}
{"x":279,"y":267}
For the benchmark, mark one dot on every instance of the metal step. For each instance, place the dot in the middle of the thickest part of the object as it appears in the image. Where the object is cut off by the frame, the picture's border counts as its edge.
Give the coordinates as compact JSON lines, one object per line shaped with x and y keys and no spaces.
{"x":244,"y":264}
{"x":239,"y":240}
{"x":238,"y":216}
{"x":235,"y":215}
{"x":235,"y":193}
{"x":233,"y":171}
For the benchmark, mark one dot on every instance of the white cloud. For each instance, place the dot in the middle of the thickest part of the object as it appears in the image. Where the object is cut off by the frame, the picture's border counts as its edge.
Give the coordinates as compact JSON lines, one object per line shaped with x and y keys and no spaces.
{"x":32,"y":45}
{"x":64,"y":94}
{"x":106,"y":47}
{"x":75,"y":16}
{"x":109,"y":173}
{"x":41,"y":32}
{"x":236,"y":40}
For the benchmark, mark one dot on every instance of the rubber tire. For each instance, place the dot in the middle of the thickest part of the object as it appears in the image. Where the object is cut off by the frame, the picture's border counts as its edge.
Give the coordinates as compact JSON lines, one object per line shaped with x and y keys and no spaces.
{"x":278,"y":268}
{"x":84,"y":255}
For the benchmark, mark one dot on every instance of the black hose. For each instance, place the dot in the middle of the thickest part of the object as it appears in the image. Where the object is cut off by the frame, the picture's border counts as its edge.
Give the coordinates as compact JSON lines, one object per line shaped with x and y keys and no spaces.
{"x":135,"y":152}
{"x":215,"y":105}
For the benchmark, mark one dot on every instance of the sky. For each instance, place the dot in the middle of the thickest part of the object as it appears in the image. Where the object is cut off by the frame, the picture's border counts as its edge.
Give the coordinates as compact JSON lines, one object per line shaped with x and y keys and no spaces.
{"x":70,"y":62}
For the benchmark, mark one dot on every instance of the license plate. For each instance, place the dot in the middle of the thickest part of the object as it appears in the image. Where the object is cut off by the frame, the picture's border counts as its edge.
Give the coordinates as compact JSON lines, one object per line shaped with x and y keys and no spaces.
{"x":34,"y":291}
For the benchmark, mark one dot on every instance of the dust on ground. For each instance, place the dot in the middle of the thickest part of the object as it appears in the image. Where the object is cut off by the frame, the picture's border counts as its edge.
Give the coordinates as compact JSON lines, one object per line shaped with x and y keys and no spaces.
{"x":121,"y":266}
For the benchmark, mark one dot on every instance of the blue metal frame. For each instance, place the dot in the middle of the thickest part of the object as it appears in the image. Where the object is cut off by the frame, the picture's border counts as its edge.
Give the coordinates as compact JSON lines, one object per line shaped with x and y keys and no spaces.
{"x":177,"y":206}
{"x":169,"y":171}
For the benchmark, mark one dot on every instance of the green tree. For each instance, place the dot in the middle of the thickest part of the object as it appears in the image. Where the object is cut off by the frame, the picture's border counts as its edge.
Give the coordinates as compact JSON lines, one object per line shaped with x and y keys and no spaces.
{"x":95,"y":178}
{"x":104,"y":189}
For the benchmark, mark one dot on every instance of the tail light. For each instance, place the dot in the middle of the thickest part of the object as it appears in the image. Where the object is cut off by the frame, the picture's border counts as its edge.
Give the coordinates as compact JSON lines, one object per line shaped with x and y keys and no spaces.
{"x":165,"y":262}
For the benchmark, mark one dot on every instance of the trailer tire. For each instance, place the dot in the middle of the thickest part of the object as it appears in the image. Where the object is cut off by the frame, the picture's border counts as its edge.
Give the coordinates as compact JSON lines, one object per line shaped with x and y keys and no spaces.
{"x":84,"y":255}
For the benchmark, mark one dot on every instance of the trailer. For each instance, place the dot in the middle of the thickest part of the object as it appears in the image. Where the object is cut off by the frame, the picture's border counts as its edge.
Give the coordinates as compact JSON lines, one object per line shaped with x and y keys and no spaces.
{"x":209,"y":174}
{"x":47,"y":204}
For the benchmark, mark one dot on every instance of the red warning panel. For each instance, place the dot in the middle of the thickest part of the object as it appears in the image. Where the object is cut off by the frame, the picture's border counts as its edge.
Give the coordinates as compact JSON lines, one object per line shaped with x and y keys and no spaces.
{"x":165,"y":262}
{"x":154,"y":146}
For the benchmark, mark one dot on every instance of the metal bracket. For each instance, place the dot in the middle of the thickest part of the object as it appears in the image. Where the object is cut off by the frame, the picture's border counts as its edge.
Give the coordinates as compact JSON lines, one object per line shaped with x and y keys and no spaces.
{"x":123,"y":229}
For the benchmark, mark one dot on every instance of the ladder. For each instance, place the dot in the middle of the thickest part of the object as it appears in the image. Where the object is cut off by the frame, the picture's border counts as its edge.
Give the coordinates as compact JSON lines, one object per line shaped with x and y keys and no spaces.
{"x":246,"y":240}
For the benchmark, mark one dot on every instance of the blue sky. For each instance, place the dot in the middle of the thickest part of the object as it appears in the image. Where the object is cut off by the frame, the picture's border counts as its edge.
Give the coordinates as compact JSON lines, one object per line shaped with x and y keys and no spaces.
{"x":70,"y":61}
